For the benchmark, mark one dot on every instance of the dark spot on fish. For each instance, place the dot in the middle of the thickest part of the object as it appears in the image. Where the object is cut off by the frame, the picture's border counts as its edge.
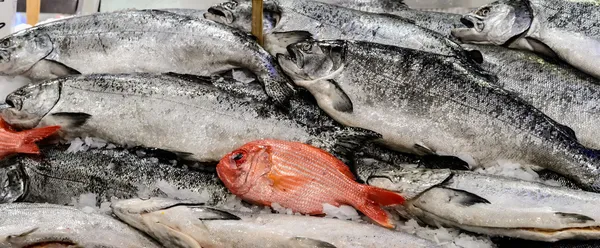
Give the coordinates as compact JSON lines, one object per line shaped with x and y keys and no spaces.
{"x":238,"y":156}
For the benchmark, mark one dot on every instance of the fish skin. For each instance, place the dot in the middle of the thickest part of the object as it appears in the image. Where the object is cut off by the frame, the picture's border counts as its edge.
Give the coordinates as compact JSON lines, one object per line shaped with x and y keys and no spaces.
{"x":12,"y":142}
{"x":562,"y":92}
{"x":58,"y":176}
{"x":519,"y":209}
{"x":27,"y":224}
{"x":568,"y":30}
{"x":300,"y":177}
{"x":152,"y":110}
{"x":325,"y":21}
{"x":213,"y":227}
{"x":105,"y":43}
{"x":477,"y":117}
{"x":375,"y":6}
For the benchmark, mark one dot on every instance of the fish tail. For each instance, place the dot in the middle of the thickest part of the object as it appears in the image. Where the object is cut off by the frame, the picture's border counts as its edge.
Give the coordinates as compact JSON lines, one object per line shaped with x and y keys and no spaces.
{"x":374,"y":200}
{"x":37,"y":134}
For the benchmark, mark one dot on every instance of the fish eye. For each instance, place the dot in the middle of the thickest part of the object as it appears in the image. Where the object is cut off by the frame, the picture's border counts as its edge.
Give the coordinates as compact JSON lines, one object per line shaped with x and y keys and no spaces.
{"x":483,"y":12}
{"x":239,"y":157}
{"x":306,"y":47}
{"x":5,"y":43}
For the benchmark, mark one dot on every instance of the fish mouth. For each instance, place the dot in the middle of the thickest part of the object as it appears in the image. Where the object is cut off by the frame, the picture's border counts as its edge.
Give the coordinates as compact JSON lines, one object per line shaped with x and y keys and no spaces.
{"x":295,"y":56}
{"x":219,"y":13}
{"x":473,"y":33}
{"x":467,"y":22}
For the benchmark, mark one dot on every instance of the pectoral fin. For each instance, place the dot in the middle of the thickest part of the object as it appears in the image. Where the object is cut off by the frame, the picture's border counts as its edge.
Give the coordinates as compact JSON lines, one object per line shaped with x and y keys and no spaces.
{"x":300,"y":242}
{"x":339,"y":99}
{"x":286,"y":183}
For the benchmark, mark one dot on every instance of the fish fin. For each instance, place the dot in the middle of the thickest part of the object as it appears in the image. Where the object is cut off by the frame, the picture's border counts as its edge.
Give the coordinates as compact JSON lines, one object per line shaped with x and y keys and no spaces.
{"x":159,"y":153}
{"x":569,"y":131}
{"x":28,"y":148}
{"x":277,"y":42}
{"x":301,"y":242}
{"x":346,"y":141}
{"x":286,"y":183}
{"x":574,"y":218}
{"x":23,"y":234}
{"x":383,"y":197}
{"x":423,"y":149}
{"x":71,"y":119}
{"x":37,"y":134}
{"x":465,"y":198}
{"x":190,"y":77}
{"x":397,"y":17}
{"x":475,"y":55}
{"x":59,"y":69}
{"x":217,"y":214}
{"x":340,"y":101}
{"x":443,"y":162}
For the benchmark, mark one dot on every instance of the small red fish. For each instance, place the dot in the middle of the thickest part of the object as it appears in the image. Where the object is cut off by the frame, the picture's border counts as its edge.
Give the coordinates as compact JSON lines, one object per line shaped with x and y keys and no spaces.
{"x":12,"y":141}
{"x":300,"y":177}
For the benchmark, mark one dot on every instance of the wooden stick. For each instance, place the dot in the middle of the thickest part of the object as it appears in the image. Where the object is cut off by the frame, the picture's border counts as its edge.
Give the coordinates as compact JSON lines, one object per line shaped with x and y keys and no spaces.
{"x":257,"y":20}
{"x":33,"y":11}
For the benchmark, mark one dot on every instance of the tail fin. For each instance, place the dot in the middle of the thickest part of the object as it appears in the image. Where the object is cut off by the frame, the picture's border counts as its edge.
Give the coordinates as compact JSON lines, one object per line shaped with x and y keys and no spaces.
{"x":375,"y":199}
{"x":37,"y":134}
{"x":28,"y":148}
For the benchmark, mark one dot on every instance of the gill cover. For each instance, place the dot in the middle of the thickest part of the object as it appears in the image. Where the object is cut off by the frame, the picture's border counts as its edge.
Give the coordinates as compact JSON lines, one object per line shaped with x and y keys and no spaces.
{"x":523,"y":14}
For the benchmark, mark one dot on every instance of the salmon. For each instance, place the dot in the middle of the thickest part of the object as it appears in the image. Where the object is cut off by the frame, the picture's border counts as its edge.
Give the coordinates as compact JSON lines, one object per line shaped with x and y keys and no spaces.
{"x":12,"y":142}
{"x":300,"y":177}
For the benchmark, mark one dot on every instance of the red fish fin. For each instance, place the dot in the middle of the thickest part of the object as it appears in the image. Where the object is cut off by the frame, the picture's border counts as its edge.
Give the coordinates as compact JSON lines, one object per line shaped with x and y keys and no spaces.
{"x":344,"y":169}
{"x":29,"y":148}
{"x":375,"y":198}
{"x":286,"y":183}
{"x":4,"y":125}
{"x":36,"y":134}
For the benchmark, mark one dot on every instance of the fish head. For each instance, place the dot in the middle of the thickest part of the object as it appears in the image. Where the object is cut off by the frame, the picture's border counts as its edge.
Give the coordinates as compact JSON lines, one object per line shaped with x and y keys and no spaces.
{"x":238,"y":14}
{"x":241,"y":169}
{"x":20,"y":51}
{"x":498,"y":23}
{"x":29,"y":104}
{"x":13,"y":179}
{"x":313,"y":60}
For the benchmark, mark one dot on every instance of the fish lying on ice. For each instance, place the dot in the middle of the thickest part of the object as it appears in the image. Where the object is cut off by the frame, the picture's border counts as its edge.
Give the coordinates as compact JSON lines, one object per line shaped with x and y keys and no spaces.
{"x":184,"y":114}
{"x":569,"y":30}
{"x":177,"y":224}
{"x":325,"y":21}
{"x":12,"y":142}
{"x":493,"y":205}
{"x":137,"y":41}
{"x":427,"y":103}
{"x":300,"y":177}
{"x":567,"y":95}
{"x":58,"y":176}
{"x":47,"y":225}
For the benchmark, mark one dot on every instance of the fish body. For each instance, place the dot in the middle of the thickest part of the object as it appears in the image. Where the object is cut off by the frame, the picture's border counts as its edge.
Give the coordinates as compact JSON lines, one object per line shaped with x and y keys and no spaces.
{"x":375,"y":6}
{"x":325,"y":21}
{"x":42,"y":225}
{"x":169,"y":222}
{"x":58,"y":176}
{"x":137,"y":41}
{"x":12,"y":142}
{"x":300,"y":177}
{"x":476,"y":203}
{"x":562,"y":92}
{"x":565,"y":29}
{"x":426,"y":103}
{"x":184,"y":114}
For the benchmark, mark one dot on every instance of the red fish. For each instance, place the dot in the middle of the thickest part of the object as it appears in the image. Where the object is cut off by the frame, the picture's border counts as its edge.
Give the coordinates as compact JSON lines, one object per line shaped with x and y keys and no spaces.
{"x":300,"y":177}
{"x":12,"y":141}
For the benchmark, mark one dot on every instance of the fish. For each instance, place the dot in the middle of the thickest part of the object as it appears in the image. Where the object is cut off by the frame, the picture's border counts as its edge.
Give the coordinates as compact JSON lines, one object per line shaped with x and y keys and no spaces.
{"x":325,"y":21}
{"x":300,"y":177}
{"x":49,"y":225}
{"x":560,"y":91}
{"x":553,"y":28}
{"x":494,"y":205}
{"x":152,"y":41}
{"x":12,"y":142}
{"x":375,"y":6}
{"x":205,"y":226}
{"x":58,"y":176}
{"x":425,"y":103}
{"x":185,"y":114}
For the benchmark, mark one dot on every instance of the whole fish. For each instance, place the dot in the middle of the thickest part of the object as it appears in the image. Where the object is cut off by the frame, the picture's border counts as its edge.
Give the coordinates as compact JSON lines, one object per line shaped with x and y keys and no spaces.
{"x":12,"y":142}
{"x":325,"y":21}
{"x":427,"y":103}
{"x":567,"y":95}
{"x":47,"y":225}
{"x":187,"y":115}
{"x":137,"y":41}
{"x":58,"y":176}
{"x":549,"y":27}
{"x":300,"y":177}
{"x":177,"y":224}
{"x":494,"y":205}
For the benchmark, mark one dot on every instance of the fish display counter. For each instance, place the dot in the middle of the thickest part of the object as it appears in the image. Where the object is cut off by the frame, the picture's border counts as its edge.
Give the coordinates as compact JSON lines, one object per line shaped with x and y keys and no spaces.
{"x":354,"y":123}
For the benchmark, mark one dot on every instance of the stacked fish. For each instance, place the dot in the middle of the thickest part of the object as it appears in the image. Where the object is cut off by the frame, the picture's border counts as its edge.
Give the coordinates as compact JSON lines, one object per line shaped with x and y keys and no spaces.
{"x":363,"y":103}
